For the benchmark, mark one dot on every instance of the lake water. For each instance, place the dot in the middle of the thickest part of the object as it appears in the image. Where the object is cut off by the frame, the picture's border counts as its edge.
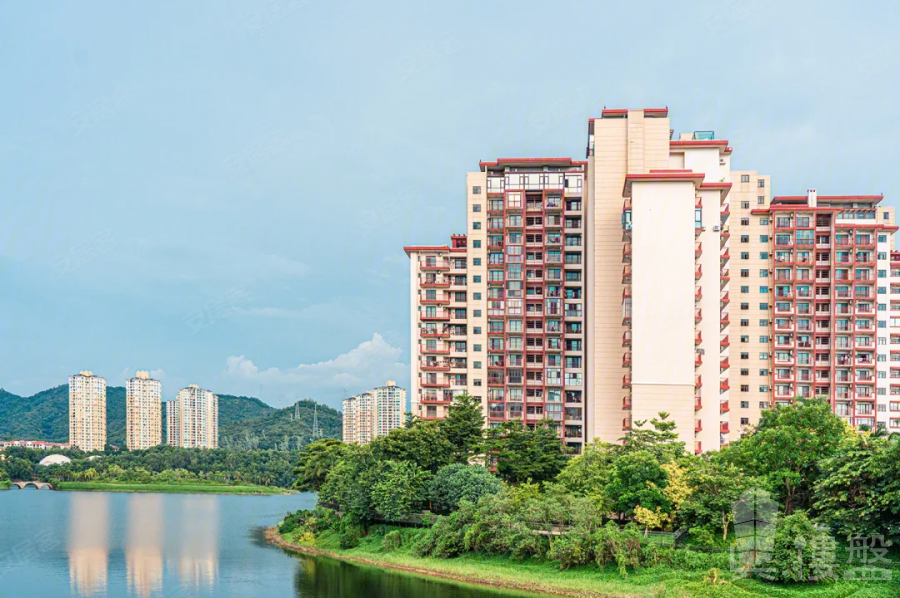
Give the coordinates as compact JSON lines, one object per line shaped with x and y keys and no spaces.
{"x":176,"y":545}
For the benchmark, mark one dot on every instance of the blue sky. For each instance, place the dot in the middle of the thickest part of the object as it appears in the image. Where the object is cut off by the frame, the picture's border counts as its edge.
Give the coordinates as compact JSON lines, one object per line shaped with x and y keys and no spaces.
{"x":220,"y":191}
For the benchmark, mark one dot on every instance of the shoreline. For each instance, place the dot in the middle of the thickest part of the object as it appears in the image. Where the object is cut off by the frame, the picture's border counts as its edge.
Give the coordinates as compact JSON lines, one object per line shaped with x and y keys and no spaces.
{"x":274,"y":538}
{"x":246,"y":490}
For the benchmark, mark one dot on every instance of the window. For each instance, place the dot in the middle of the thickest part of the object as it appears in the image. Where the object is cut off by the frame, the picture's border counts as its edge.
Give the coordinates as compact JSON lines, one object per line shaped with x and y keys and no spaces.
{"x":882,"y":255}
{"x":745,"y":205}
{"x":745,"y":356}
{"x":477,"y":382}
{"x":745,"y":255}
{"x":763,"y":388}
{"x":745,"y":322}
{"x":476,"y":348}
{"x":764,"y":289}
{"x":760,"y":199}
{"x":476,"y":190}
{"x":476,"y":226}
{"x":476,"y":296}
{"x":745,"y":238}
{"x":882,"y":238}
{"x":745,"y":306}
{"x":745,"y":273}
{"x":476,"y":261}
{"x":764,"y":372}
{"x":764,"y":339}
{"x":761,"y":183}
{"x":763,"y":322}
{"x":745,"y":178}
{"x":698,"y":218}
{"x":745,"y":339}
{"x":745,"y":222}
{"x":745,"y":404}
{"x":476,"y":313}
{"x":476,"y":278}
{"x":763,"y":404}
{"x":745,"y":289}
{"x":745,"y":372}
{"x":476,"y":244}
{"x":764,"y":238}
{"x":476,"y":330}
{"x":745,"y":388}
{"x":477,"y":365}
{"x":764,"y":273}
{"x":764,"y":255}
{"x":476,"y":207}
{"x":764,"y":221}
{"x":764,"y":306}
{"x":764,"y":356}
{"x":745,"y":421}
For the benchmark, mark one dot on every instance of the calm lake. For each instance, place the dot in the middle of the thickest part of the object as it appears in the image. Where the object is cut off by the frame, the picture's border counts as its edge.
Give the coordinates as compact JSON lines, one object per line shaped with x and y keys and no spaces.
{"x":175,"y":545}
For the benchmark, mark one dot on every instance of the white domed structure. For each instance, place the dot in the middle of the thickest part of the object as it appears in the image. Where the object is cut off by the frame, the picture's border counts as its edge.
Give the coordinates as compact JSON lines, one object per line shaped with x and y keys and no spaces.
{"x":55,"y":460}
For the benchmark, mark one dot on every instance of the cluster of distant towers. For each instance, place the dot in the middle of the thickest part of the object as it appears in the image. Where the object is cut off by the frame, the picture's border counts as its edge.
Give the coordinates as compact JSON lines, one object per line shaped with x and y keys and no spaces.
{"x":192,"y":418}
{"x":373,"y":413}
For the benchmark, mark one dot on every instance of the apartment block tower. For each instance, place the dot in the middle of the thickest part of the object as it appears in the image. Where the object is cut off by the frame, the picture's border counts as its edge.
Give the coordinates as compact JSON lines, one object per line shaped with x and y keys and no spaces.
{"x":87,"y":411}
{"x":143,"y":411}
{"x":500,"y":312}
{"x":193,"y":418}
{"x":821,"y":266}
{"x":373,"y":413}
{"x":653,"y":278}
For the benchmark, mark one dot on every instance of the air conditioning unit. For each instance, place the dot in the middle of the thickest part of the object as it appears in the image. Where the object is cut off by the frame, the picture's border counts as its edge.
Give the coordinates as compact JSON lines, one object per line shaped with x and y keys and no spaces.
{"x":716,"y":228}
{"x":701,"y":352}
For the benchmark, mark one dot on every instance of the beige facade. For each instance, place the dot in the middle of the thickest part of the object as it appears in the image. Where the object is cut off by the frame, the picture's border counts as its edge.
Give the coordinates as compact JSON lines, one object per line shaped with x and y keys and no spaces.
{"x":373,"y":413}
{"x":143,"y":411}
{"x":87,"y":411}
{"x":192,"y":418}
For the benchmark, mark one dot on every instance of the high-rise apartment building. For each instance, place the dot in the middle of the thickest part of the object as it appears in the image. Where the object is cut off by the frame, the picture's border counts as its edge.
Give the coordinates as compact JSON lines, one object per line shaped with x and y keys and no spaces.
{"x":143,"y":411}
{"x":679,"y":286}
{"x":500,"y":312}
{"x":192,"y":418}
{"x":373,"y":413}
{"x":87,"y":411}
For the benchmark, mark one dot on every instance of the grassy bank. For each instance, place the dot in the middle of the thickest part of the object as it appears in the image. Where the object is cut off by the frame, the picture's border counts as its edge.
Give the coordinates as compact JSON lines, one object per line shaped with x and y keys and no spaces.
{"x":588,"y":581}
{"x":171,"y":488}
{"x":5,"y":485}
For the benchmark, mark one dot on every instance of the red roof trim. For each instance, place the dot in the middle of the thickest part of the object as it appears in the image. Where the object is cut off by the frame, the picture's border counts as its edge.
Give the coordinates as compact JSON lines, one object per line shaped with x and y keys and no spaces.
{"x":565,"y":161}
{"x":410,"y":248}
{"x":715,"y":186}
{"x":699,"y":143}
{"x":624,"y":111}
{"x":831,"y":197}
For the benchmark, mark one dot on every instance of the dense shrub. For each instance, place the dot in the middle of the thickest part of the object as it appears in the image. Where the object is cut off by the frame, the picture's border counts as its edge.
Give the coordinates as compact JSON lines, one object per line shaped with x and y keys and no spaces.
{"x":458,"y":482}
{"x":797,"y":542}
{"x":392,"y":541}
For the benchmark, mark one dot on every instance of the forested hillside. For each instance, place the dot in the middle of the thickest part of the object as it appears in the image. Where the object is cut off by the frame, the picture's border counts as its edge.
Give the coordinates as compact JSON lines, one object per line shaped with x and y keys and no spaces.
{"x":244,"y":422}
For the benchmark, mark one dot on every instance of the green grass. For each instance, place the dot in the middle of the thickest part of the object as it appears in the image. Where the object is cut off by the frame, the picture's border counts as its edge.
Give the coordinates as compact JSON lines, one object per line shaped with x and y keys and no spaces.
{"x":174,"y":488}
{"x":4,"y":485}
{"x":651,"y":582}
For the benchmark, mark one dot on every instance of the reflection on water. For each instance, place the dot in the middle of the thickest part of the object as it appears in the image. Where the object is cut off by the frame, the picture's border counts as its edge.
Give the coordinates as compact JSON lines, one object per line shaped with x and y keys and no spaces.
{"x":144,"y":550}
{"x":329,"y":578}
{"x":198,"y":557}
{"x":88,"y":543}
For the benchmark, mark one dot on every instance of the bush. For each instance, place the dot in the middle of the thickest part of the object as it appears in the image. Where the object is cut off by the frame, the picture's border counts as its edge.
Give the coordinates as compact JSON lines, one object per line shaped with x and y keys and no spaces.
{"x":458,"y":482}
{"x":349,"y":534}
{"x":570,"y":549}
{"x":794,"y":548}
{"x":702,"y":536}
{"x":307,"y":539}
{"x":392,"y":541}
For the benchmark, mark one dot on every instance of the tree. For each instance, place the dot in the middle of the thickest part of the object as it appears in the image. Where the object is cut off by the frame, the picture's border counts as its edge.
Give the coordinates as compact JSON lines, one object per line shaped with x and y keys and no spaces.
{"x":638,"y":479}
{"x":788,"y":447}
{"x":398,"y":489}
{"x":520,"y":454}
{"x":463,"y":428}
{"x":316,"y":460}
{"x":715,"y":486}
{"x":589,"y":472}
{"x":661,"y":439}
{"x":424,"y":443}
{"x":457,"y":482}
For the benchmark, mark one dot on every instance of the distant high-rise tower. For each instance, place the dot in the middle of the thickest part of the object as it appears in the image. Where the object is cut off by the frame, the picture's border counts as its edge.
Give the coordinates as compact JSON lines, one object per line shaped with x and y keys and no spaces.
{"x":373,"y":413}
{"x":143,"y":411}
{"x":87,"y":411}
{"x":193,"y":418}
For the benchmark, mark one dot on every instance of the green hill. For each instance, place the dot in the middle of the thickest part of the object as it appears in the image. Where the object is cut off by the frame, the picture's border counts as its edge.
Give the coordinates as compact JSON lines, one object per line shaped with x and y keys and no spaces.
{"x":244,"y":422}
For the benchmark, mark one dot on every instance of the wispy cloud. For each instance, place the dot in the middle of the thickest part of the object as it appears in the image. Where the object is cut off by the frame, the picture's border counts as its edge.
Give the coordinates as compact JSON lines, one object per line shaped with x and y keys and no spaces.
{"x":366,"y":365}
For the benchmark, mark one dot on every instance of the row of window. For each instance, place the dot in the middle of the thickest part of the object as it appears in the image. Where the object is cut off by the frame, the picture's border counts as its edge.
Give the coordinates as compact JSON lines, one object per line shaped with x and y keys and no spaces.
{"x":745,"y":178}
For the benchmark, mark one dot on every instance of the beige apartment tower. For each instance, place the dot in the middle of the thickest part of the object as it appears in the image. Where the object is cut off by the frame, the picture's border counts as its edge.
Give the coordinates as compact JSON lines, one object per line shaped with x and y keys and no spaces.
{"x":193,"y":419}
{"x":373,"y":413}
{"x":143,"y":411}
{"x":87,"y":411}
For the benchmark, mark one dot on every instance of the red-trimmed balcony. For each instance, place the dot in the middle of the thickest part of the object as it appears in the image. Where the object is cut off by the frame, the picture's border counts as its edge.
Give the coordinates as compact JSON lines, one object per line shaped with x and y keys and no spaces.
{"x":698,"y":448}
{"x":626,"y":253}
{"x":626,"y":338}
{"x":723,"y":407}
{"x":724,"y":257}
{"x":436,"y":350}
{"x":436,"y":265}
{"x":698,"y":315}
{"x":724,"y":385}
{"x":437,"y":301}
{"x":698,"y":359}
{"x":725,"y":276}
{"x":626,"y":381}
{"x":435,"y":384}
{"x":726,"y":211}
{"x":698,"y":403}
{"x":626,"y":403}
{"x":698,"y":294}
{"x":626,"y":292}
{"x":724,"y":365}
{"x":724,"y":299}
{"x":698,"y":426}
{"x":698,"y":382}
{"x":723,"y":320}
{"x":435,"y":284}
{"x":724,"y":235}
{"x":626,"y":274}
{"x":698,"y":272}
{"x":698,"y":250}
{"x":625,"y":425}
{"x":626,"y":360}
{"x":439,"y":366}
{"x":723,"y":428}
{"x":435,"y":334}
{"x":723,"y":341}
{"x":435,"y":316}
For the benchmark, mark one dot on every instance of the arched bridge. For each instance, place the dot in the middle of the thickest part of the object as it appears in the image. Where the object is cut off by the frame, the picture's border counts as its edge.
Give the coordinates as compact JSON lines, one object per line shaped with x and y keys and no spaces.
{"x":37,"y":485}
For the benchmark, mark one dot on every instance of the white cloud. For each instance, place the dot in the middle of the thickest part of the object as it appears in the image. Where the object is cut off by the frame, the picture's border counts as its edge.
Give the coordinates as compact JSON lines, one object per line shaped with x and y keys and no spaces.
{"x":365,"y":366}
